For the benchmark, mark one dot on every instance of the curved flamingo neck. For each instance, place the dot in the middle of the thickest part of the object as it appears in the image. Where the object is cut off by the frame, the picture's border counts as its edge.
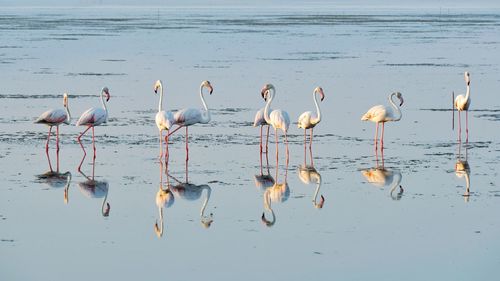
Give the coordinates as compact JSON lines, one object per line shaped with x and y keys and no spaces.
{"x":160,"y":104}
{"x":268,"y":105}
{"x":68,"y":114}
{"x":398,"y":111}
{"x":318,"y":110}
{"x":202,"y":211}
{"x":206,"y":116}
{"x":104,"y":104}
{"x":467,"y":94}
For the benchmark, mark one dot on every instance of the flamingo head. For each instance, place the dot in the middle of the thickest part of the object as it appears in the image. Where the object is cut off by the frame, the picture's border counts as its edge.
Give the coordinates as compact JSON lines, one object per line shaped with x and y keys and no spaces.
{"x":319,"y":90}
{"x":265,"y":91}
{"x":321,"y":203}
{"x":467,"y":78}
{"x":400,"y":97}
{"x":105,"y":211}
{"x":158,"y":84}
{"x":206,"y":84}
{"x":105,"y":91}
{"x":65,"y":100}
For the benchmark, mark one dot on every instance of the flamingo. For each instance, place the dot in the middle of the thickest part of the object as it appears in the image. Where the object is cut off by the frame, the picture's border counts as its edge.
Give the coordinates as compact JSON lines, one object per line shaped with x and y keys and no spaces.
{"x":308,"y":174}
{"x":55,"y":117}
{"x":462,"y":103}
{"x":190,"y":116}
{"x":381,"y":114}
{"x":263,"y":181}
{"x":309,"y":120}
{"x":259,"y":120}
{"x":164,"y":119}
{"x":277,"y":118}
{"x":91,"y":118}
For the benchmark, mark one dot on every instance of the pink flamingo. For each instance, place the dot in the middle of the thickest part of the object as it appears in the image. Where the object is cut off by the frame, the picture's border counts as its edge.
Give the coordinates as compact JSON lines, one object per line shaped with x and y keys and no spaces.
{"x":382,"y":113}
{"x":55,"y":117}
{"x":190,"y":116}
{"x":462,"y":103}
{"x":164,"y":120}
{"x":91,"y":118}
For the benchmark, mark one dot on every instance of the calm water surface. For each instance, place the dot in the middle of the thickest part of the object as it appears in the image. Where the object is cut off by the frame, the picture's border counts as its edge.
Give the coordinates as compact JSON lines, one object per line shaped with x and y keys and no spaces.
{"x":368,"y":228}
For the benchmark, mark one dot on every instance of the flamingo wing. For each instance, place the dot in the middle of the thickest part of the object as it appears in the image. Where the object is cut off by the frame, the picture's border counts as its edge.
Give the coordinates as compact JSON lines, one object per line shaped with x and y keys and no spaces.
{"x":280,"y":119}
{"x":377,"y":113}
{"x":305,"y":120}
{"x":52,"y":117}
{"x":187,"y":116}
{"x":93,"y":116}
{"x":461,"y":103}
{"x":259,"y":119}
{"x":164,"y":120}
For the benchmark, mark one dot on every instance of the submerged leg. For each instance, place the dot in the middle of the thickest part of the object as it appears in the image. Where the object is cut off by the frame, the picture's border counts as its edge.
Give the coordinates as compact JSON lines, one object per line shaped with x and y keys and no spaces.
{"x":287,"y":152}
{"x":57,"y":139}
{"x":260,"y":143}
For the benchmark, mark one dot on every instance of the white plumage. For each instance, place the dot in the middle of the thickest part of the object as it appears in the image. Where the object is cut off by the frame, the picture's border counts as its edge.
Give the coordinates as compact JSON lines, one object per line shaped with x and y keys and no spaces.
{"x":382,"y":113}
{"x":55,"y":117}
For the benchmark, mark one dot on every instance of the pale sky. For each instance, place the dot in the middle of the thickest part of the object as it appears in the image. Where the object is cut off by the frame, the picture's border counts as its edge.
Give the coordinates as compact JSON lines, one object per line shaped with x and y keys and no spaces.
{"x":371,"y":3}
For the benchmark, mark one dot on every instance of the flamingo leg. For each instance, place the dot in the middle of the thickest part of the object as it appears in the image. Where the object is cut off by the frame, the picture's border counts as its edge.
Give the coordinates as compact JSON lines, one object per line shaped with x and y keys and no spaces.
{"x":459,"y":127}
{"x":376,"y":137}
{"x":48,"y":140}
{"x":276,"y":137}
{"x":57,"y":159}
{"x":382,"y":138}
{"x":310,"y":148}
{"x":176,"y":129}
{"x":467,"y":126}
{"x":187,"y":145}
{"x":167,"y":153}
{"x":287,"y":152}
{"x":267,"y":139}
{"x":305,"y":149}
{"x":261,"y":139}
{"x":57,"y":139}
{"x":161,"y":145}
{"x":84,"y":152}
{"x":93,"y":142}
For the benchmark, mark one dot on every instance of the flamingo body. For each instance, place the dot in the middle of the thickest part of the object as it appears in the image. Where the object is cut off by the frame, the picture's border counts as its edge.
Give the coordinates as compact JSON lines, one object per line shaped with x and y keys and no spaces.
{"x":305,"y":120}
{"x":53,"y":117}
{"x":259,"y":119}
{"x":164,"y":120}
{"x":280,"y":120}
{"x":190,"y":116}
{"x":93,"y":117}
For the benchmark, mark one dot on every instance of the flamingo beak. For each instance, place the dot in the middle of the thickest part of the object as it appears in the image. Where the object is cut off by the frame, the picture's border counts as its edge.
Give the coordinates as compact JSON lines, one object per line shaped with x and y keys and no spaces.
{"x":468,"y":83}
{"x":263,"y":93}
{"x":107,"y":96}
{"x":156,"y":90}
{"x":106,"y":211}
{"x":210,"y":89}
{"x":322,"y":96}
{"x":401,"y":101}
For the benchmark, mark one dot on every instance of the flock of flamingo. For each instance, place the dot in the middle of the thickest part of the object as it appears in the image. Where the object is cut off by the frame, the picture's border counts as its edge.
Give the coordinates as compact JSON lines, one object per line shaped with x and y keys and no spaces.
{"x":279,"y":119}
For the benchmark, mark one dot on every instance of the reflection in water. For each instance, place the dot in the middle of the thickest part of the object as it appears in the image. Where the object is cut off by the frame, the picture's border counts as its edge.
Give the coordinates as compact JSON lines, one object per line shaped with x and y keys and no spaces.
{"x":55,"y":179}
{"x":192,"y":192}
{"x":279,"y":192}
{"x":382,"y":177}
{"x":462,"y":170}
{"x":164,"y":199}
{"x":264,"y":181}
{"x":308,"y":174}
{"x":96,"y":189}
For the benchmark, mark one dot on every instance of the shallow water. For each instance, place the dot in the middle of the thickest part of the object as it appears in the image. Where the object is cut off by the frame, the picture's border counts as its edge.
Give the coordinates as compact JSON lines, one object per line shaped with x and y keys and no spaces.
{"x":427,"y":229}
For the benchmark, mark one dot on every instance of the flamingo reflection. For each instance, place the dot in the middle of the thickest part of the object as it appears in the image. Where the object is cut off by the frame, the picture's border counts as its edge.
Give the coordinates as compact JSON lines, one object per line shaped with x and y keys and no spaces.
{"x":56,"y":179}
{"x":462,"y":170}
{"x":96,"y":189}
{"x":278,"y":193}
{"x":264,"y":181}
{"x":164,"y":199}
{"x":308,"y":174}
{"x":193,"y":192}
{"x":382,"y":177}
